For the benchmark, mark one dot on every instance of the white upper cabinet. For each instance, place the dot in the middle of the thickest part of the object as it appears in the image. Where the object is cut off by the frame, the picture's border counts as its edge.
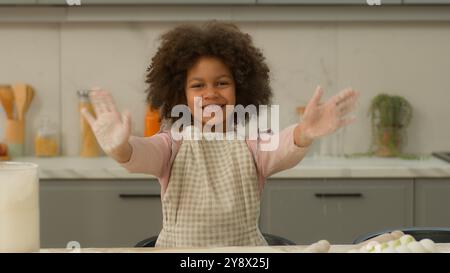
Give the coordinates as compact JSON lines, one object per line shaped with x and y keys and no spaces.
{"x":140,"y":2}
{"x":326,"y":2}
{"x":18,"y":2}
{"x":426,"y":2}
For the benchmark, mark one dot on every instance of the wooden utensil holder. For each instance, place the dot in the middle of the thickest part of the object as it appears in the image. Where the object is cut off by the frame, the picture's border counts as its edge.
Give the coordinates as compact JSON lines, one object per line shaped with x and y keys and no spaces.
{"x":15,"y":137}
{"x":15,"y":131}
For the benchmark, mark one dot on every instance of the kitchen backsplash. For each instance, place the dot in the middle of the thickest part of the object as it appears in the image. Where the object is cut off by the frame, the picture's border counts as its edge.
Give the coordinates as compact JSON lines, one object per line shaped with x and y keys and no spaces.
{"x":404,"y":58}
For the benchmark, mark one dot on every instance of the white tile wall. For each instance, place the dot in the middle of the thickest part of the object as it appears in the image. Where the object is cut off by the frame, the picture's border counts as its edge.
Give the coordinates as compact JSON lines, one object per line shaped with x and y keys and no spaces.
{"x":409,"y":59}
{"x":30,"y":54}
{"x":114,"y":56}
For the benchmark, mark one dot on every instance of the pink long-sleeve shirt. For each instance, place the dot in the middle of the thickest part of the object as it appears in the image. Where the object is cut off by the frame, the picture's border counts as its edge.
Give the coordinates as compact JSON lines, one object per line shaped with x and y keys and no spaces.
{"x":155,"y":155}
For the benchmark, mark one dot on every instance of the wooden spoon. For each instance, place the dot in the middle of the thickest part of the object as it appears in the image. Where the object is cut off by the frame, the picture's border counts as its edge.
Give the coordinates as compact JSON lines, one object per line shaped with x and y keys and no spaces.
{"x":7,"y":100}
{"x":20,"y":99}
{"x":30,"y":96}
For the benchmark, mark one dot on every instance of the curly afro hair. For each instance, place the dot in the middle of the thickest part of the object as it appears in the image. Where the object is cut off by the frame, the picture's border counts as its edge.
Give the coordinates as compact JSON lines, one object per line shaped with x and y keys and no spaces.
{"x":182,"y":46}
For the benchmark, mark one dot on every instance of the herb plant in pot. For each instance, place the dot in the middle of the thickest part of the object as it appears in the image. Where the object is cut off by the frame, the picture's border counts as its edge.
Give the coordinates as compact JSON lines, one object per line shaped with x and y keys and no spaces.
{"x":390,"y":115}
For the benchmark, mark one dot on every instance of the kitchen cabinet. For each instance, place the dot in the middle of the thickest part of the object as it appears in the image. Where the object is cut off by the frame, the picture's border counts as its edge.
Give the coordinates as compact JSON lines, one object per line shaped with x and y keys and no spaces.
{"x":137,"y":2}
{"x":120,"y":213}
{"x":212,"y":2}
{"x":18,"y":2}
{"x":338,"y":210}
{"x":324,"y":2}
{"x":432,"y":202}
{"x":426,"y":2}
{"x":220,"y":2}
{"x":99,"y":213}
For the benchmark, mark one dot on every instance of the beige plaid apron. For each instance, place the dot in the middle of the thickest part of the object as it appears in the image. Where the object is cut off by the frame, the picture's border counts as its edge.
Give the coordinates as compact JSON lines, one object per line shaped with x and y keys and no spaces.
{"x":213,"y":196}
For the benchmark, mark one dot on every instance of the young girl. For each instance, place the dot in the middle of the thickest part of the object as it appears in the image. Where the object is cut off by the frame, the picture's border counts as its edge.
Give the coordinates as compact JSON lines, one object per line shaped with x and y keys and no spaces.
{"x":210,"y":189}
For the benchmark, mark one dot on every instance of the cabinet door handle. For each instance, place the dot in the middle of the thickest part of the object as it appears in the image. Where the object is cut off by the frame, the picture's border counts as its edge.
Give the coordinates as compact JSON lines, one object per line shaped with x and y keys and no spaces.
{"x":139,"y":195}
{"x":333,"y":195}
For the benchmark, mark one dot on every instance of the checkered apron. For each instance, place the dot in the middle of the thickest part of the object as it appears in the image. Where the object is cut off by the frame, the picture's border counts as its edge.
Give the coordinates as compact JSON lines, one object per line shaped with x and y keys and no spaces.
{"x":213,"y":196}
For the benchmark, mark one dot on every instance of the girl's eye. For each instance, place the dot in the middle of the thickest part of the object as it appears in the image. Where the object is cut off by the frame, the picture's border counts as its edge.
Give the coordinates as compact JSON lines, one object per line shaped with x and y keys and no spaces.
{"x":198,"y":85}
{"x":222,"y":83}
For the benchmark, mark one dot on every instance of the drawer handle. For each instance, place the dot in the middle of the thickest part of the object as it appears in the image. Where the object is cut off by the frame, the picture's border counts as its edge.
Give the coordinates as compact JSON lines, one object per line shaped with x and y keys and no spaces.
{"x":333,"y":195}
{"x":139,"y":195}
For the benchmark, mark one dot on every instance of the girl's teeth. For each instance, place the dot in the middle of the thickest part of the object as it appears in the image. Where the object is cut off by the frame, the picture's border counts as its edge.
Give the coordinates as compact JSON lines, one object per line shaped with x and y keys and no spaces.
{"x":212,"y":107}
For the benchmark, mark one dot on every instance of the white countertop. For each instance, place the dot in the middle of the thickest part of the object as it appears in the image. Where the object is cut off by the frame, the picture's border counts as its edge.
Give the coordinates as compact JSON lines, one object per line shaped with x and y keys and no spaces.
{"x":442,"y":248}
{"x":309,"y":167}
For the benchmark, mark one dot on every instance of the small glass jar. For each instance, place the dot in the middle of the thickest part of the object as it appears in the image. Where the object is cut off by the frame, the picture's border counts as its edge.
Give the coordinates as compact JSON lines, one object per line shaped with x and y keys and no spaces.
{"x":88,"y":142}
{"x":46,"y":141}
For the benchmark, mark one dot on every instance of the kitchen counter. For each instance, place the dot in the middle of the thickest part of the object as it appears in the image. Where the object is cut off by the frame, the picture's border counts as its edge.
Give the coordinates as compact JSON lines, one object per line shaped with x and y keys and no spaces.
{"x":309,"y":167}
{"x":444,"y":248}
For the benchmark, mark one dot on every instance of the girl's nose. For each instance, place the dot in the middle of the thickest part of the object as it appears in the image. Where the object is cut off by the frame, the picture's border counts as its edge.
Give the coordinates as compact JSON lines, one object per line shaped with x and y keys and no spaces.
{"x":210,"y":93}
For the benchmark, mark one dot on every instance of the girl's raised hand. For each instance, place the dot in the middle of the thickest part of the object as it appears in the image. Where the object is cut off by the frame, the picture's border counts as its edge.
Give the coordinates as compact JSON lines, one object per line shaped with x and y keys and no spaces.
{"x":111,"y":128}
{"x":320,"y":119}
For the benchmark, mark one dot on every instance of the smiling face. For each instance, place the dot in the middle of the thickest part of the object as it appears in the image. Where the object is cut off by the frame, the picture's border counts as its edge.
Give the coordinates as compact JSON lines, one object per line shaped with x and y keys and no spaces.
{"x":211,"y":80}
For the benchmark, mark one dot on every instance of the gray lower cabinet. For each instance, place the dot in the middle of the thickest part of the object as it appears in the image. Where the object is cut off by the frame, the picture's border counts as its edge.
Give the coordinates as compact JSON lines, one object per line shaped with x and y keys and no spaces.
{"x":338,"y":210}
{"x":432,"y":202}
{"x":99,"y":213}
{"x":117,"y":213}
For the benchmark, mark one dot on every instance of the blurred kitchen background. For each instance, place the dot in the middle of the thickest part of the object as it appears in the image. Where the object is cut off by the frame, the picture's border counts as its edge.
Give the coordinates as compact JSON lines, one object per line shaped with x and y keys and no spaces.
{"x":400,"y":48}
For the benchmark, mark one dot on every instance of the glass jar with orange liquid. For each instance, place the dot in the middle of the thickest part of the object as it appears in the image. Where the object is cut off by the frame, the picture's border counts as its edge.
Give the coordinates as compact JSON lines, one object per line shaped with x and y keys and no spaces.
{"x":46,"y":141}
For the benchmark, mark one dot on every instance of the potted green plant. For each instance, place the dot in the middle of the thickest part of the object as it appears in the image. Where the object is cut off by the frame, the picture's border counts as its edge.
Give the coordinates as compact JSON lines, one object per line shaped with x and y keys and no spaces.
{"x":390,"y":115}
